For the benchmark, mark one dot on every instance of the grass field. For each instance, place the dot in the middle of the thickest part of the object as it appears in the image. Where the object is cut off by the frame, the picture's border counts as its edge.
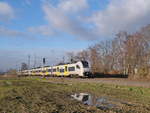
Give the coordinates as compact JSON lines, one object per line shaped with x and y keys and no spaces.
{"x":36,"y":95}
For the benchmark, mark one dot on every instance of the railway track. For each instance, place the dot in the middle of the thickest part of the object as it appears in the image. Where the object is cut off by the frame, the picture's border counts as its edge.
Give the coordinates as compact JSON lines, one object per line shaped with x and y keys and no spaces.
{"x":115,"y":81}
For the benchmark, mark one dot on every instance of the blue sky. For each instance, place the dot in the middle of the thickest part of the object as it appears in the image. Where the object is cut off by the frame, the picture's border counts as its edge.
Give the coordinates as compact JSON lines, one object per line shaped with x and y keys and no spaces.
{"x":29,"y":13}
{"x":51,"y":28}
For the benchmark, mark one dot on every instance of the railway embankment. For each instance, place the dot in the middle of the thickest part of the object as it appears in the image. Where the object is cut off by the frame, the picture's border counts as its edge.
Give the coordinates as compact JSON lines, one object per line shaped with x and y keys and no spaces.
{"x":113,"y":81}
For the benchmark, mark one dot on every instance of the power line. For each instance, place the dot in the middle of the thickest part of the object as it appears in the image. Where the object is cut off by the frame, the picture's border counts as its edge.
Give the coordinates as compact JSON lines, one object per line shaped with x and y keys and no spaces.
{"x":29,"y":61}
{"x":34,"y":61}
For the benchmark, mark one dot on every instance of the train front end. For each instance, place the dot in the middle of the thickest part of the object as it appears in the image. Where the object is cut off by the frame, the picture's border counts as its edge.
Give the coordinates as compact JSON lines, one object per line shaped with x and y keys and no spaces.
{"x":86,"y":69}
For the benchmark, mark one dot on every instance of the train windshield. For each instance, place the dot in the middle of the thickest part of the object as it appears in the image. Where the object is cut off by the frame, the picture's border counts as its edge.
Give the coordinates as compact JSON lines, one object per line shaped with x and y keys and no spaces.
{"x":85,"y":64}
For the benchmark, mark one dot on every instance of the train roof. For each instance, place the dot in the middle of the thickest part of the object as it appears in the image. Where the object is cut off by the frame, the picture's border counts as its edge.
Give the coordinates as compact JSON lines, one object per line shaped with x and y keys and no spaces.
{"x":70,"y":62}
{"x":59,"y":64}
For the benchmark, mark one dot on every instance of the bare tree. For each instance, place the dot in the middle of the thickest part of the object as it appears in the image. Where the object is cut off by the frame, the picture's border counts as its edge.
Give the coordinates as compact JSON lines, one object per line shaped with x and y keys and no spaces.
{"x":71,"y":56}
{"x":125,"y":54}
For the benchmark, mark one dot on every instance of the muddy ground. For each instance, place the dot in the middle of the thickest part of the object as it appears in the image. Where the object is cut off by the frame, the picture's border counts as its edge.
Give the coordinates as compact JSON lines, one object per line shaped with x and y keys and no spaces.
{"x":52,"y":95}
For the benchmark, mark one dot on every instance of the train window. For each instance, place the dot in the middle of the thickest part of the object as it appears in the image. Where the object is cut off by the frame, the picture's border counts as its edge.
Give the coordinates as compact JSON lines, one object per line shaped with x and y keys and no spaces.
{"x":57,"y":69}
{"x":54,"y":70}
{"x":85,"y":98}
{"x":71,"y":68}
{"x":49,"y":70}
{"x":66,"y":68}
{"x":77,"y":66}
{"x":85,"y":64}
{"x":77,"y":95}
{"x":61,"y":70}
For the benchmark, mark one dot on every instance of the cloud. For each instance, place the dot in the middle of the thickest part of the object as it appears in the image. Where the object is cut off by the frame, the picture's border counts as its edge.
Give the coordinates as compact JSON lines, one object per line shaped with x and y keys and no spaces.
{"x":59,"y":18}
{"x":69,"y":16}
{"x":43,"y":30}
{"x":64,"y":17}
{"x":28,"y":2}
{"x":73,"y":5}
{"x":6,"y":12}
{"x":11,"y":33}
{"x":120,"y":15}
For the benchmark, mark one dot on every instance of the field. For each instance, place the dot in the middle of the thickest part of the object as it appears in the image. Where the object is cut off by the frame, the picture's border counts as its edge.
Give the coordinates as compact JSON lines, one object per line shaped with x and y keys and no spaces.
{"x":52,"y":95}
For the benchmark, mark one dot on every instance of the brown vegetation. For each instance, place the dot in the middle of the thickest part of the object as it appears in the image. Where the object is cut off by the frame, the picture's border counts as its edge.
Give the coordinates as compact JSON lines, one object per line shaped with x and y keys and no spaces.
{"x":127,"y":54}
{"x":10,"y":73}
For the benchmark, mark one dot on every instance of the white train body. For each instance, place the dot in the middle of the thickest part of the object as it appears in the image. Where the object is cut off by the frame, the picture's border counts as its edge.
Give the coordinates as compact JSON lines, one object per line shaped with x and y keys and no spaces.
{"x":80,"y":68}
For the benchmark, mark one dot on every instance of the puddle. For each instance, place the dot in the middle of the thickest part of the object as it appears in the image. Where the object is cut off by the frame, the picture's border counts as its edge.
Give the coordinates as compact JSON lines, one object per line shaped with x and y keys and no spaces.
{"x":103,"y":103}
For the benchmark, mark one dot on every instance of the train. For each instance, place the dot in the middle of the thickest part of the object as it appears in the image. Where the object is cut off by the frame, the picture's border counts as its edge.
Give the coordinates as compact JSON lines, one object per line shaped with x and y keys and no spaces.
{"x":76,"y":69}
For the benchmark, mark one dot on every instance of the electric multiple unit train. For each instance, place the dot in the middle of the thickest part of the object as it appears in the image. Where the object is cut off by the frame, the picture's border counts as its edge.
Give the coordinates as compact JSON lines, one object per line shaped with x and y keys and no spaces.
{"x":78,"y":69}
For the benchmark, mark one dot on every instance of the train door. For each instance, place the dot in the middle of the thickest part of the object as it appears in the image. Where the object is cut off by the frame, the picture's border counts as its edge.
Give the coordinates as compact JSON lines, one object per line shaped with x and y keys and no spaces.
{"x":66,"y":73}
{"x":57,"y":71}
{"x":78,"y":69}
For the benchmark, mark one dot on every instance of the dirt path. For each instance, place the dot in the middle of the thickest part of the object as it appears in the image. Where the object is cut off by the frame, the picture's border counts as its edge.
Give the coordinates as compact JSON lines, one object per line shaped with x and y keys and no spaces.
{"x":116,"y":81}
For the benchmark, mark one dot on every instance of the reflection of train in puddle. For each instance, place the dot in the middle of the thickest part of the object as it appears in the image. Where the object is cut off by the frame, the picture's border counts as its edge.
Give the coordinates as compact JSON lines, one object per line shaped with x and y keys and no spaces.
{"x":103,"y":103}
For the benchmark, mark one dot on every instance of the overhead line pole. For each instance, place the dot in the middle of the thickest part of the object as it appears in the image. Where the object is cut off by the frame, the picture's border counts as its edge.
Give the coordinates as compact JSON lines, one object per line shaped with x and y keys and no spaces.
{"x":28,"y":61}
{"x":28,"y":64}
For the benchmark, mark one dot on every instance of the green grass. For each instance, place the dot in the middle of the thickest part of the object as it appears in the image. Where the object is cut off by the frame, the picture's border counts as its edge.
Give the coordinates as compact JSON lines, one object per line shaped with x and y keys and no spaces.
{"x":36,"y":95}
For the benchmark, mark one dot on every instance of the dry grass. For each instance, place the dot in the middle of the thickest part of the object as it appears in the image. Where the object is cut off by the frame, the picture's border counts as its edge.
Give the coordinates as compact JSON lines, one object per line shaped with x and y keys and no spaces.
{"x":35,"y":95}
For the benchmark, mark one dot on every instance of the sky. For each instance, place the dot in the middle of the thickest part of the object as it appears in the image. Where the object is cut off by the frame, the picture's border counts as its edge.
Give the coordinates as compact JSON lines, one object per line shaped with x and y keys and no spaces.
{"x":51,"y":28}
